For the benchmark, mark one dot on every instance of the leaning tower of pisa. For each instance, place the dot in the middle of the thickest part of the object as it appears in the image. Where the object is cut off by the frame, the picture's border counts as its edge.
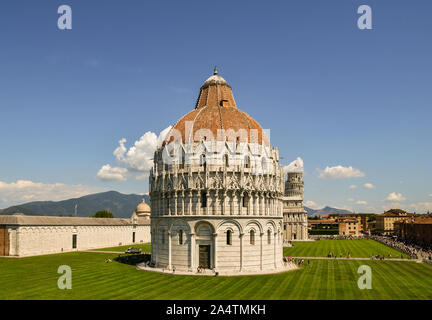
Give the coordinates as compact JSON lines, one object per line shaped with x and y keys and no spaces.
{"x":294,"y":214}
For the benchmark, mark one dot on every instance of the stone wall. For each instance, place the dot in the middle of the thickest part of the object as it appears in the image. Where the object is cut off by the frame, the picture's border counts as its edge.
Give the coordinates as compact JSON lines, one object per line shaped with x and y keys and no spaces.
{"x":37,"y":240}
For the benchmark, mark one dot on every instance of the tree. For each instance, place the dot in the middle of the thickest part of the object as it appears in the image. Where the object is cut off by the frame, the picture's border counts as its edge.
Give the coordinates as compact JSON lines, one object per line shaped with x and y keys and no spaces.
{"x":314,"y":218}
{"x":372,"y":217}
{"x":103,"y":214}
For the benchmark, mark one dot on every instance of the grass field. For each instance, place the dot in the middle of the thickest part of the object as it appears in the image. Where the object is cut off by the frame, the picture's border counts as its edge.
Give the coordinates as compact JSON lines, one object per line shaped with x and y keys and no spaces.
{"x":92,"y":278}
{"x":358,"y":249}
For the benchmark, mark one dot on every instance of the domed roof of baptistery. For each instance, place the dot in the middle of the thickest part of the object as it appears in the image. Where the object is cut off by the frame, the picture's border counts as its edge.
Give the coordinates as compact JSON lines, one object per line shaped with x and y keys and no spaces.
{"x":216,"y":110}
{"x":142,"y":208}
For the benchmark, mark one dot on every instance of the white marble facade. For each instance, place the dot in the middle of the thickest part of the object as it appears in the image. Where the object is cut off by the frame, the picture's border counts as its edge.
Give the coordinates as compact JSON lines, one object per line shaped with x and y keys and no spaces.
{"x":217,"y":203}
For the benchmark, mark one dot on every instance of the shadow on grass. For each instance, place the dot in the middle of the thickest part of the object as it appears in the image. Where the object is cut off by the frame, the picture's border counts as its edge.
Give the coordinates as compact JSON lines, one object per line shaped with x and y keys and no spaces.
{"x":133,"y":259}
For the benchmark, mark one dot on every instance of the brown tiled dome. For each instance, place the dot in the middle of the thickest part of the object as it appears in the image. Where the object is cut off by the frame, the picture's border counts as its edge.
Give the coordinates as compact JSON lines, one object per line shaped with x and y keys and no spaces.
{"x":216,"y":109}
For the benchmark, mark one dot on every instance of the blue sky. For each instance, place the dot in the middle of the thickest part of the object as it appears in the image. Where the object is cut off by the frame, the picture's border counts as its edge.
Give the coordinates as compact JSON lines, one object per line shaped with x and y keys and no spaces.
{"x":330,"y":93}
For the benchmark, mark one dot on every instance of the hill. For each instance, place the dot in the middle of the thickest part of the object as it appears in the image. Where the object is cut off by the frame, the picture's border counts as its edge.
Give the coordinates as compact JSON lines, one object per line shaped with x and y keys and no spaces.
{"x":121,"y":205}
{"x":324,"y":211}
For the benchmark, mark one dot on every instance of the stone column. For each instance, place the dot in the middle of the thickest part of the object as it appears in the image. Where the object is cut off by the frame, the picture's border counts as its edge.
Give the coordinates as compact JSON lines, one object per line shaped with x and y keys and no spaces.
{"x":183,"y":199}
{"x":190,"y":202}
{"x":267,"y":201}
{"x":261,"y":249}
{"x":241,"y":251}
{"x":208,"y":203}
{"x":175,"y":203}
{"x":169,"y":250}
{"x":215,"y":251}
{"x":192,"y":252}
{"x":260,"y":211}
{"x":274,"y":249}
{"x":199,"y":202}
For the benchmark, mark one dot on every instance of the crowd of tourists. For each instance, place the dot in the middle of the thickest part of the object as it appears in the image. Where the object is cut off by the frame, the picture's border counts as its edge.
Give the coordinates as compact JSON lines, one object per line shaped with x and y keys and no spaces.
{"x":333,"y":237}
{"x":334,"y":255}
{"x":412,"y":249}
{"x":297,"y":261}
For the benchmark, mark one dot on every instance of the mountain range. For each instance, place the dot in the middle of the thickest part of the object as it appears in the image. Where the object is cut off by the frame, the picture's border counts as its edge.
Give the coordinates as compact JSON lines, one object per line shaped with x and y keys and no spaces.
{"x":121,"y":205}
{"x":324,"y":211}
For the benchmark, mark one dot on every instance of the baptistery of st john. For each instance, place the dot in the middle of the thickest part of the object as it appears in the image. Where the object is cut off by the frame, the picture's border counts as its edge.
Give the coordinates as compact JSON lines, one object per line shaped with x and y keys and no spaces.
{"x":216,"y":190}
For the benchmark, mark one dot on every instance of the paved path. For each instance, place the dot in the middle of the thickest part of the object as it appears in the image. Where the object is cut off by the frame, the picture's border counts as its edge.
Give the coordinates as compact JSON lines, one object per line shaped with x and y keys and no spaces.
{"x":344,"y":258}
{"x":99,"y":251}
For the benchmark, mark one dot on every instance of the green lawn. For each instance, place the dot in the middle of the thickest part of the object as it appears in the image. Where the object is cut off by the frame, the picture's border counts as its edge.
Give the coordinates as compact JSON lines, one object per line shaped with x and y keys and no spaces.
{"x":144,"y":247}
{"x":358,"y":249}
{"x":36,"y":278}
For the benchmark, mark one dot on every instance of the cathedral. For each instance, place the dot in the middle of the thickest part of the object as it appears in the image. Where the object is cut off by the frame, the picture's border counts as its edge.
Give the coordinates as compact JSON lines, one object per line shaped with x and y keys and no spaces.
{"x":217,"y":191}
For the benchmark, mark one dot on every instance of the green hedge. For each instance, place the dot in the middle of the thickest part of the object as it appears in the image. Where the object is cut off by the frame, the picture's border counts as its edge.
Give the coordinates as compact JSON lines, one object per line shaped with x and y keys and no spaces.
{"x":323,"y":232}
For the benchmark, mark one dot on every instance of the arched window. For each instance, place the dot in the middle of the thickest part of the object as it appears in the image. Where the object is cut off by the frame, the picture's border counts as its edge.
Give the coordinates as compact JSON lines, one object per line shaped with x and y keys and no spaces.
{"x":180,"y":236}
{"x":203,"y":199}
{"x":252,"y":237}
{"x":203,"y":162}
{"x":269,"y":236}
{"x":244,"y":201}
{"x":247,"y":162}
{"x":229,"y":237}
{"x":226,"y":160}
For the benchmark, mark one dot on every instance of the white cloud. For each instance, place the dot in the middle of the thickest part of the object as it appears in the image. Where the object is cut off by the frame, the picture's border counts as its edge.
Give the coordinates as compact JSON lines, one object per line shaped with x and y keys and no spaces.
{"x":394,"y":205}
{"x":422,"y":206}
{"x":108,"y":173}
{"x":352,"y":187}
{"x":344,"y":208}
{"x":395,"y":197}
{"x":430,"y":195}
{"x":295,"y":166}
{"x":24,"y":191}
{"x":369,"y":186}
{"x":362,"y":202}
{"x":340,"y":172}
{"x":137,"y":159}
{"x":311,"y":204}
{"x":142,"y":176}
{"x":350,"y":199}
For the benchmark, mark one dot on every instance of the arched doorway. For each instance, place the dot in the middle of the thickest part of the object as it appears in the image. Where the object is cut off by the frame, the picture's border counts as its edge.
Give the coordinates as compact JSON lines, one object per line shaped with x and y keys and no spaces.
{"x":204,"y":246}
